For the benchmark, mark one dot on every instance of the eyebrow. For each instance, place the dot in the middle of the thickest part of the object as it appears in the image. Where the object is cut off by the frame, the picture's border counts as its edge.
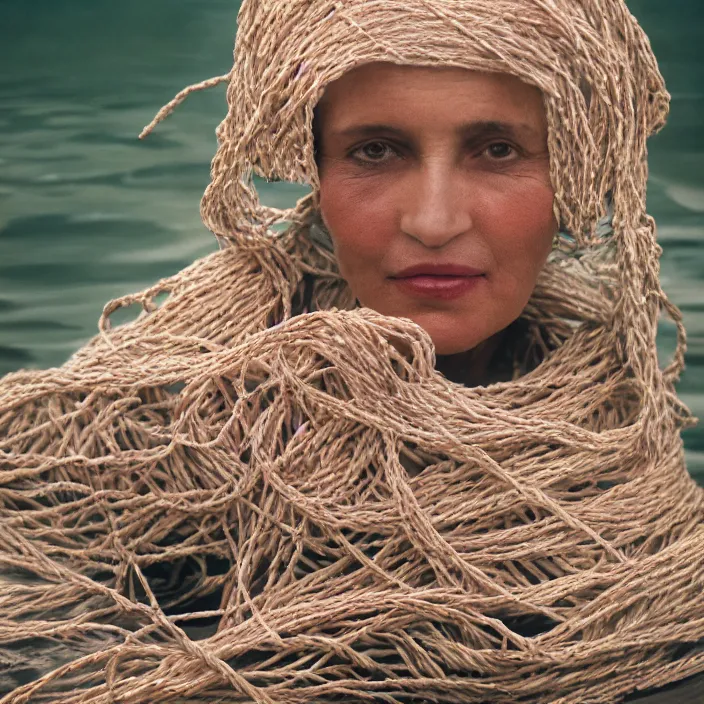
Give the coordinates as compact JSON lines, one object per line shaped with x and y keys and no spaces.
{"x":476,"y":130}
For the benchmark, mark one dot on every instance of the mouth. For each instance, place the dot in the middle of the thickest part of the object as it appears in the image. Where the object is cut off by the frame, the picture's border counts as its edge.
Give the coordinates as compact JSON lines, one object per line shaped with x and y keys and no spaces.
{"x":441,"y":286}
{"x":443,"y":270}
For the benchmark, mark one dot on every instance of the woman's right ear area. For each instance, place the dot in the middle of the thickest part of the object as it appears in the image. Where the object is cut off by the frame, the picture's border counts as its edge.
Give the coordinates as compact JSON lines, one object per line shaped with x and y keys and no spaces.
{"x":316,"y":129}
{"x":318,"y":231}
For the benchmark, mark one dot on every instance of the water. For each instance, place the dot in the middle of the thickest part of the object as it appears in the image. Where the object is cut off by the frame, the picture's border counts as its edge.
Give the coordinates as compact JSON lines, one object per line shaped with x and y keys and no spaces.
{"x":88,"y":213}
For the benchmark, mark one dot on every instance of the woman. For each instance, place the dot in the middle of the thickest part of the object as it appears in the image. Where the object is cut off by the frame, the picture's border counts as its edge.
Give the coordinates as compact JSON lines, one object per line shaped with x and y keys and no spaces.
{"x":400,"y":451}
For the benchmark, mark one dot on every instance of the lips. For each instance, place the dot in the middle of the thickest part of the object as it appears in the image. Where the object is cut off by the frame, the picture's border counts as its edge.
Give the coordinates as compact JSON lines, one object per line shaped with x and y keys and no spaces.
{"x":438,"y":286}
{"x":425,"y":270}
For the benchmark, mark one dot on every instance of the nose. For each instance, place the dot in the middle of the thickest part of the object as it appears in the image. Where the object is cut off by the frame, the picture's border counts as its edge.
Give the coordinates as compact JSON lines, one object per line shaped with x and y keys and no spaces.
{"x":435,"y":208}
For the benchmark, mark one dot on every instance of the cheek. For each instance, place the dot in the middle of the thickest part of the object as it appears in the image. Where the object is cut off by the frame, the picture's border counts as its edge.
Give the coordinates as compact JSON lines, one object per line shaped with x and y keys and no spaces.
{"x":522,"y":230}
{"x":360,"y":223}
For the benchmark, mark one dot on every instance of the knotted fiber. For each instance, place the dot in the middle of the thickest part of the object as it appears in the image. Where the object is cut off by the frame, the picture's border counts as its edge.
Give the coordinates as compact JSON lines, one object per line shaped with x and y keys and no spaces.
{"x":259,"y":491}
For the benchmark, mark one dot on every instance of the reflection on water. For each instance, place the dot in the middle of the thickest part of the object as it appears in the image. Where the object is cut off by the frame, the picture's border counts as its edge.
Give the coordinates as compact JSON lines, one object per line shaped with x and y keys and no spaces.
{"x":88,"y":213}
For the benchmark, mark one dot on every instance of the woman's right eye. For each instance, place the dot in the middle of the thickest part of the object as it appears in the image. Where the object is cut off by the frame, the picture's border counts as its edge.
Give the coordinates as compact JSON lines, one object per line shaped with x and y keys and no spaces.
{"x":373,"y":152}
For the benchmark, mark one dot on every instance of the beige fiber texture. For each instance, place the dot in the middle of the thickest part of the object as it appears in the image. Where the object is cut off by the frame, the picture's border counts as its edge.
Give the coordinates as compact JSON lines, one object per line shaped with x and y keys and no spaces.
{"x":259,"y":491}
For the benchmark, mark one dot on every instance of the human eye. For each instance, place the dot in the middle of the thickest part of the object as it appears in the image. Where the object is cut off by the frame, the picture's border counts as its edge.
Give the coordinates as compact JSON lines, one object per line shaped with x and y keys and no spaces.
{"x":501,"y":151}
{"x":374,"y":152}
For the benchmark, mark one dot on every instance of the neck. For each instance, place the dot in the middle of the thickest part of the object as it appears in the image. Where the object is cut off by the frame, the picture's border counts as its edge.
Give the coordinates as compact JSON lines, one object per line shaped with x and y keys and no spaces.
{"x":471,"y":367}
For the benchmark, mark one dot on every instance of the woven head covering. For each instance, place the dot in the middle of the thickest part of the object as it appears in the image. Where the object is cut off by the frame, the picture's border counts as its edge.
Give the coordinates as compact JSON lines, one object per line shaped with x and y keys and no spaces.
{"x":257,"y":492}
{"x":603,"y":93}
{"x":604,"y":96}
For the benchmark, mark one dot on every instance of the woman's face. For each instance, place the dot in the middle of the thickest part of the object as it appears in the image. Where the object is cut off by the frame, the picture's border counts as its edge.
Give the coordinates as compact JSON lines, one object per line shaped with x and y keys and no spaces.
{"x":437,"y":167}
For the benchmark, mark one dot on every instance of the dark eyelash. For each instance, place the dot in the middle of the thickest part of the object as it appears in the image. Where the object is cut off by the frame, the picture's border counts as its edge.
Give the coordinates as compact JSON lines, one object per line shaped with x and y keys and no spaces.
{"x":486,"y":143}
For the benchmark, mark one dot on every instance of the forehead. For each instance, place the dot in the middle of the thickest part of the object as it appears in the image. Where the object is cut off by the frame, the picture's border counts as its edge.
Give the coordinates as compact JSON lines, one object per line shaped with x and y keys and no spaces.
{"x":381,"y":91}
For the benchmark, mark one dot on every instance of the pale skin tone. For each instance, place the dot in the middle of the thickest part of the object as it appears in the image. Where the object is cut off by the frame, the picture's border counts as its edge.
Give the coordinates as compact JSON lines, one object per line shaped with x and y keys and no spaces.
{"x":438,"y":165}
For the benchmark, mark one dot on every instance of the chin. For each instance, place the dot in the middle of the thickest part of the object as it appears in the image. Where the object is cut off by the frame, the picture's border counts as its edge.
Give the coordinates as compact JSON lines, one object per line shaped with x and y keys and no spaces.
{"x":449,"y":336}
{"x":448,"y":332}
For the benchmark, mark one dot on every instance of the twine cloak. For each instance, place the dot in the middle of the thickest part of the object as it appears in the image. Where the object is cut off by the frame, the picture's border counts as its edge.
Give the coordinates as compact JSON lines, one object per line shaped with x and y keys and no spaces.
{"x":259,"y":492}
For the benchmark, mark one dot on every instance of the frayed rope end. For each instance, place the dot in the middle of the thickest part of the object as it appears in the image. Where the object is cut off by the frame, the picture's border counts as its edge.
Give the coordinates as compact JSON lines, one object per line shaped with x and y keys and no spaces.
{"x":179,"y":98}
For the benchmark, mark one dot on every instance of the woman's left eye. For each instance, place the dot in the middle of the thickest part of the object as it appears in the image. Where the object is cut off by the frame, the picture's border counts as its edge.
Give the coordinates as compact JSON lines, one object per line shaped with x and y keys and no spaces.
{"x":500,"y":150}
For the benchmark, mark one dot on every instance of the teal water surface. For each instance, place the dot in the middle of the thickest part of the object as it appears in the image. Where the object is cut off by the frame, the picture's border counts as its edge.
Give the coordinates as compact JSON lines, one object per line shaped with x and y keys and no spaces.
{"x":88,"y":212}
